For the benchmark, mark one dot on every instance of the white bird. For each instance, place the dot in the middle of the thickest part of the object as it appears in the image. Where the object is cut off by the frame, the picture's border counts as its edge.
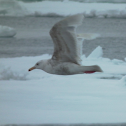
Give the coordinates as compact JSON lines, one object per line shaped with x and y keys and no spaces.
{"x":67,"y":50}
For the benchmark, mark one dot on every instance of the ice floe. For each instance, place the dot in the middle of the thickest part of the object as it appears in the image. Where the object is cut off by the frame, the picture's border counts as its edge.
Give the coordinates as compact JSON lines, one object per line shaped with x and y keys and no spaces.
{"x":6,"y":31}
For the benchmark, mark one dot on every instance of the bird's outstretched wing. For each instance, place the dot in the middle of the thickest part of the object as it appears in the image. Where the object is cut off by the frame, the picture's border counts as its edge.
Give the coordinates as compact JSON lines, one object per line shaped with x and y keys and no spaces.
{"x":67,"y":48}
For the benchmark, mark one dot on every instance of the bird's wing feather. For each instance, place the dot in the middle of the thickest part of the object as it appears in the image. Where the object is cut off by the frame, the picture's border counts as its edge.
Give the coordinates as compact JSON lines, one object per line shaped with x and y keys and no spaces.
{"x":67,"y":48}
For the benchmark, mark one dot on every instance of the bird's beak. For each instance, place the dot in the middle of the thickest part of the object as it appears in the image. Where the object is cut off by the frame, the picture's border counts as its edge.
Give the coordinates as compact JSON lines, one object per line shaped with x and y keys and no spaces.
{"x":32,"y":68}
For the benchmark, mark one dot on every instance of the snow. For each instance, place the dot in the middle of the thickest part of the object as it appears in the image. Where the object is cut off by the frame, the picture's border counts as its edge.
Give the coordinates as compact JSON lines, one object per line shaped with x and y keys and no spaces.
{"x":37,"y":97}
{"x":65,"y":8}
{"x":6,"y":31}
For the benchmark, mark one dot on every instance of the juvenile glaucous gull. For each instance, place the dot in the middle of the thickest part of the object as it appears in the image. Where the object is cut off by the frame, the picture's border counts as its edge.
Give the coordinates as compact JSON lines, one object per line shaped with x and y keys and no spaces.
{"x":67,"y":50}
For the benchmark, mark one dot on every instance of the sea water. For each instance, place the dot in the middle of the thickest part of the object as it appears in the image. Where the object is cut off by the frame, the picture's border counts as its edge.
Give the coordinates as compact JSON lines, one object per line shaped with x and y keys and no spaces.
{"x":33,"y":37}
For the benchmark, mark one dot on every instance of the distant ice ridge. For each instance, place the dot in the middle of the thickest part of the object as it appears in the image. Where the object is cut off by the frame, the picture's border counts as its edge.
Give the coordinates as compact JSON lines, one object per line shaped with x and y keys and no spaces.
{"x":100,"y":10}
{"x":6,"y":31}
{"x":62,"y":8}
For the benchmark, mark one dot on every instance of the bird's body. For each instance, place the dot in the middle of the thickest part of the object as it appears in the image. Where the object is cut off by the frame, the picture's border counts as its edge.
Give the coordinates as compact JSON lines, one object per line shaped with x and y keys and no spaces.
{"x":67,"y":50}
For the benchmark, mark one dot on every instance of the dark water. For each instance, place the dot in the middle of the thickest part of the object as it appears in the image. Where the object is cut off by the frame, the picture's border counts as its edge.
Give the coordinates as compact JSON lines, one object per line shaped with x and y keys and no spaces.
{"x":33,"y":38}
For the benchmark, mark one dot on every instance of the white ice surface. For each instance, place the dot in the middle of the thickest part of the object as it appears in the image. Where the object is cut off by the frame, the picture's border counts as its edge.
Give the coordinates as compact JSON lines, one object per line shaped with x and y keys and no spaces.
{"x":6,"y":31}
{"x":37,"y":97}
{"x":65,"y":8}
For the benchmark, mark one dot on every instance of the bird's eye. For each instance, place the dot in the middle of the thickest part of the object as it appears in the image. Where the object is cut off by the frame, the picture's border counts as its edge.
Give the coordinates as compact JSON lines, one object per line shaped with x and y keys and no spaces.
{"x":37,"y":64}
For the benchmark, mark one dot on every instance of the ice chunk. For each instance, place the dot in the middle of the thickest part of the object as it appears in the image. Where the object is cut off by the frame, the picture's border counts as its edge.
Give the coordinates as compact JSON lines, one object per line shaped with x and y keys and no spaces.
{"x":8,"y":74}
{"x":123,"y":80}
{"x":97,"y":53}
{"x":6,"y":31}
{"x":117,"y":62}
{"x":125,"y":58}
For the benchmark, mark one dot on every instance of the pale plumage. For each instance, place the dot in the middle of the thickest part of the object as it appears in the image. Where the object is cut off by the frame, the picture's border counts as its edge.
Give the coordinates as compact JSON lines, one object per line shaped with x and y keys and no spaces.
{"x":66,"y":45}
{"x":67,"y":50}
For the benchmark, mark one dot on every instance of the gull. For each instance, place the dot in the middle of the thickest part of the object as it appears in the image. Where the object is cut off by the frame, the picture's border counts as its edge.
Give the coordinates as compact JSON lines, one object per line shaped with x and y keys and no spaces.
{"x":66,"y":58}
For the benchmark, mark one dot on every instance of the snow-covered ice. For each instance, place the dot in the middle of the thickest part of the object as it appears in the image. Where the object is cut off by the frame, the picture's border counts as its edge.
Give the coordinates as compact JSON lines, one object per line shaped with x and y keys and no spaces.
{"x":65,"y":8}
{"x":6,"y":31}
{"x":37,"y":97}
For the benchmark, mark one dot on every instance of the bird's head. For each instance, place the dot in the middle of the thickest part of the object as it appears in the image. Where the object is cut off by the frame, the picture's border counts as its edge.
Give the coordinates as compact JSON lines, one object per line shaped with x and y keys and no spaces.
{"x":38,"y":65}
